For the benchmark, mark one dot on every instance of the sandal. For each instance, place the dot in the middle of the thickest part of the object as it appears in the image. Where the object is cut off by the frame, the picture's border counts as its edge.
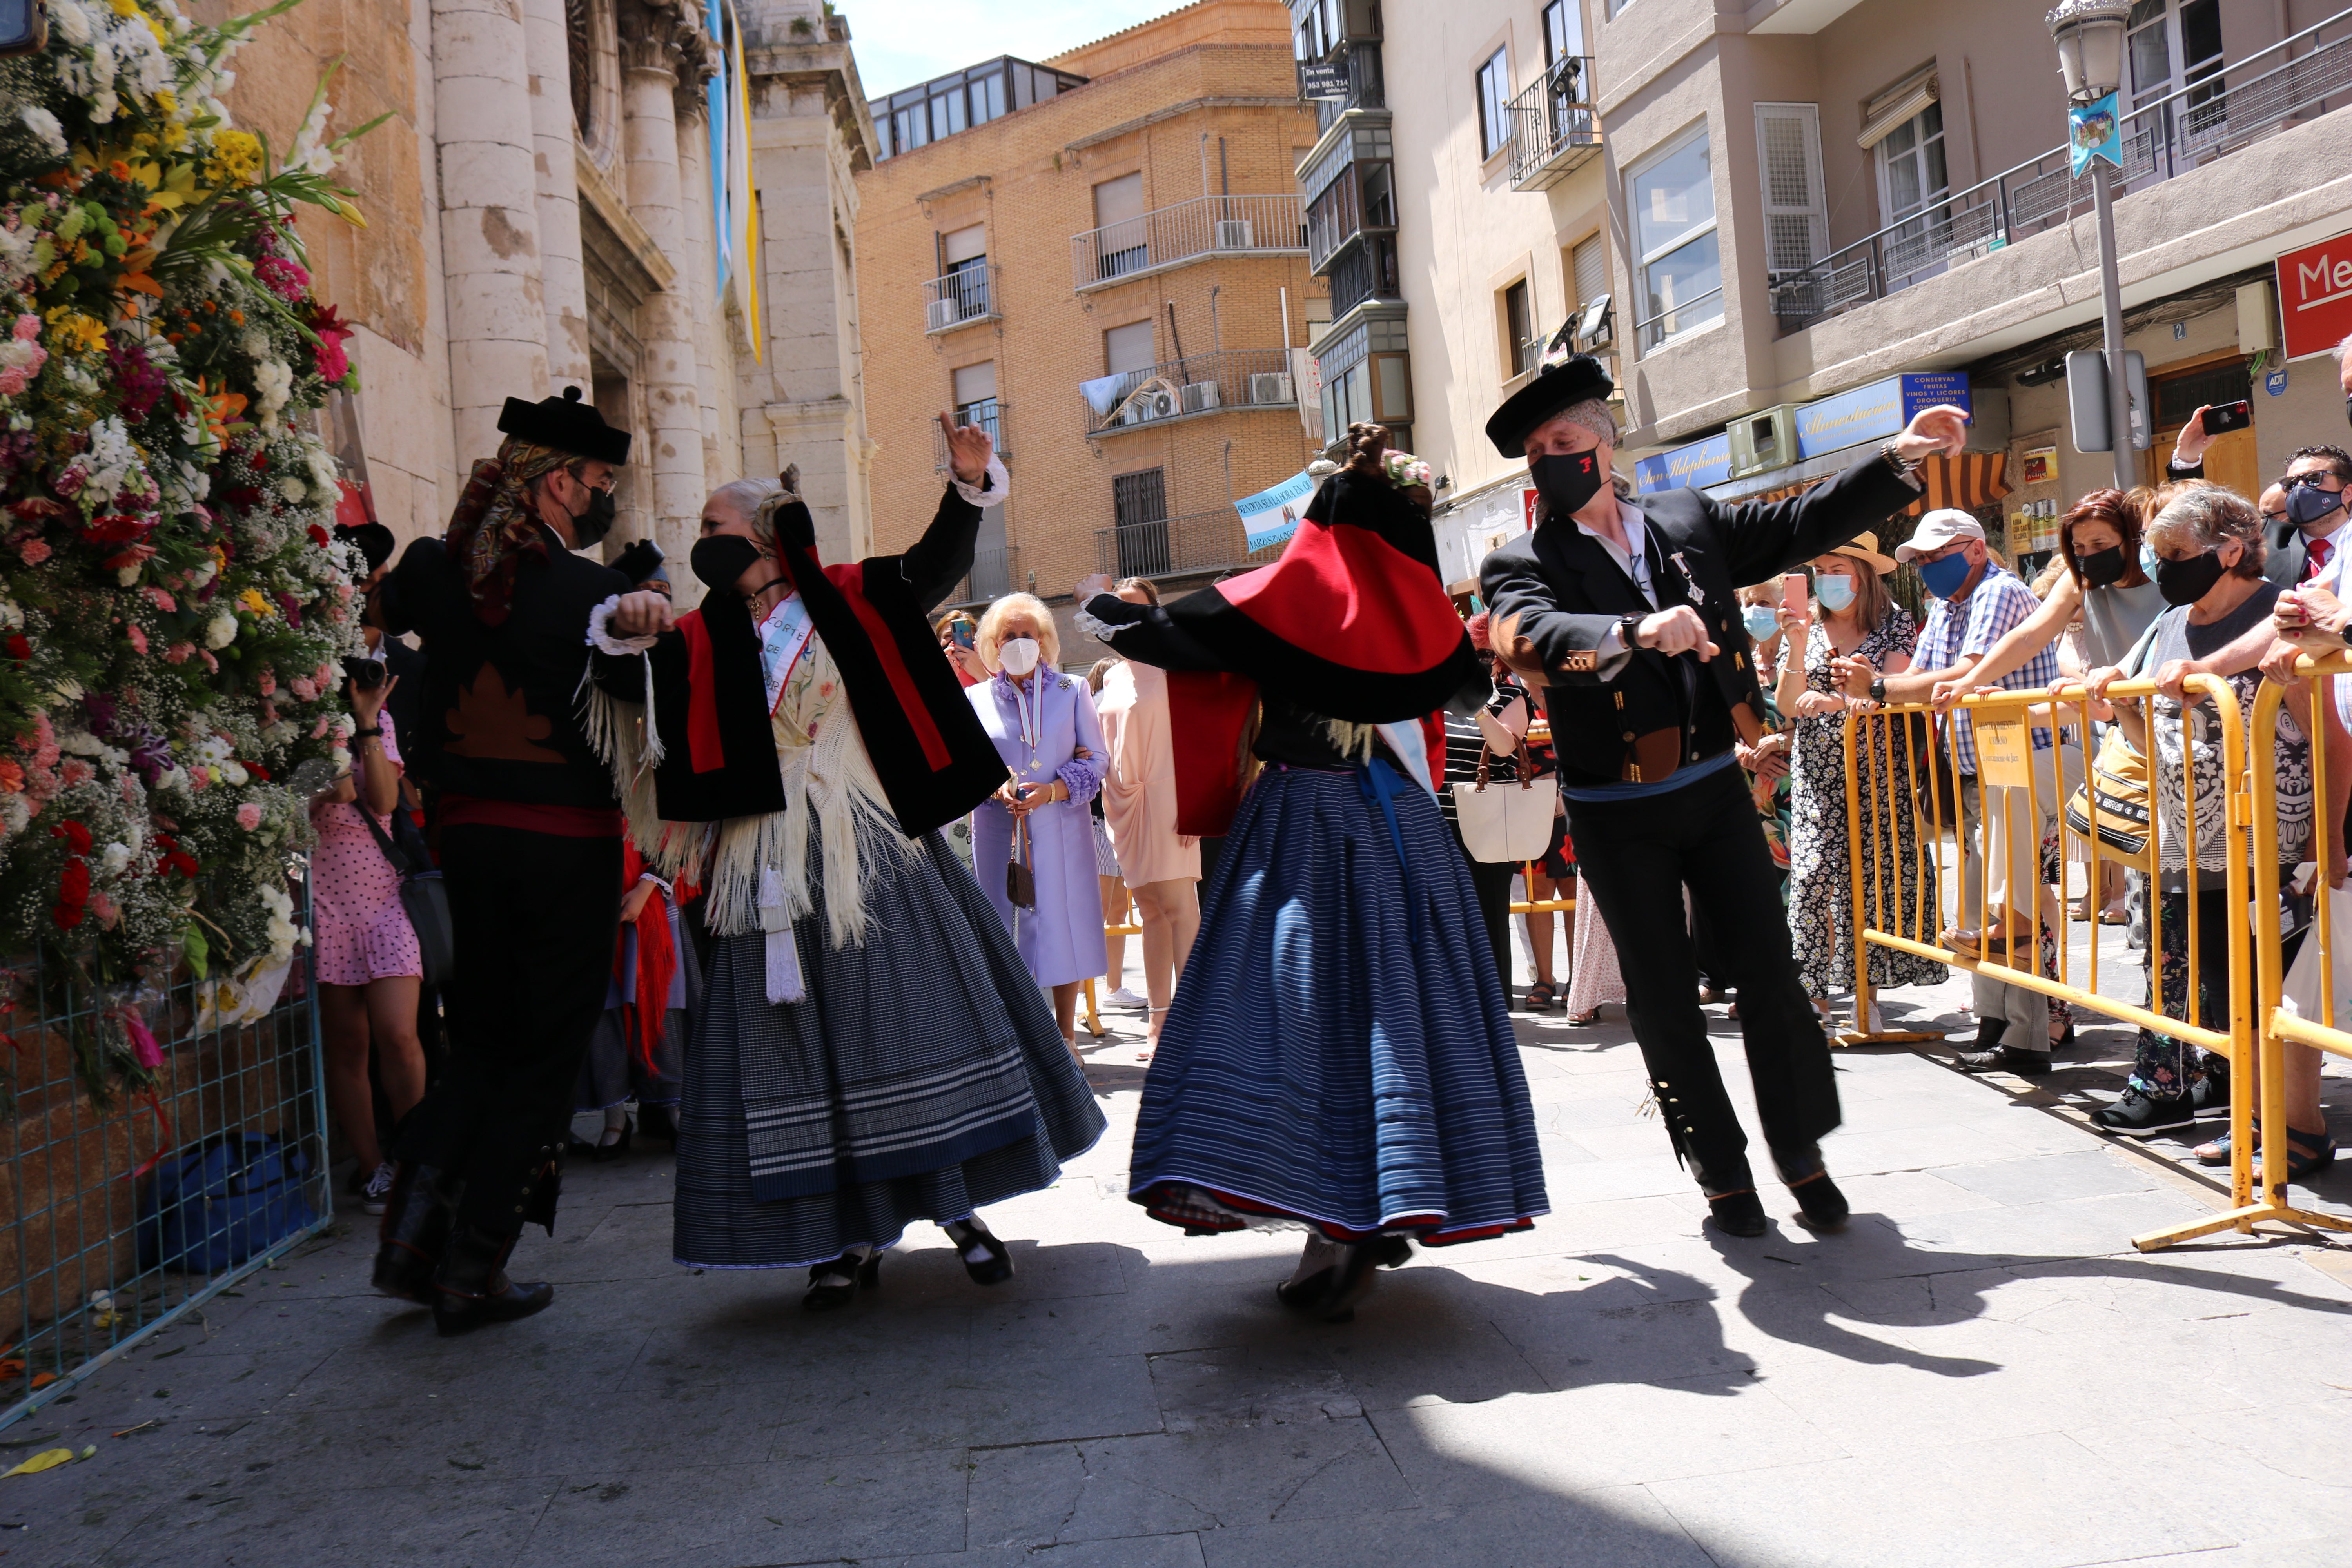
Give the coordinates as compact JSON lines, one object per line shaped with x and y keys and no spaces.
{"x":988,"y":1260}
{"x":1582,"y":1020}
{"x":1540,"y":996}
{"x":836,"y":1284}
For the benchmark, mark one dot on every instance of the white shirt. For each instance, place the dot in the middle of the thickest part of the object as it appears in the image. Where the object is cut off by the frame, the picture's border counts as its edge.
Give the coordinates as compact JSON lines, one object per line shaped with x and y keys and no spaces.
{"x":1633,"y":558}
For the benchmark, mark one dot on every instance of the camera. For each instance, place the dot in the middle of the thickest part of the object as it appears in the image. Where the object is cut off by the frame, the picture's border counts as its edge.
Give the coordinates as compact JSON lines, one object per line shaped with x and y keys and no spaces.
{"x":366,"y":674}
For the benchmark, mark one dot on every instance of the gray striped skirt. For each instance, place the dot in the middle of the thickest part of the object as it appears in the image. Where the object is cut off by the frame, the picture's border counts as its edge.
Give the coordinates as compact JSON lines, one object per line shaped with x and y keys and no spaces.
{"x":921,"y":1078}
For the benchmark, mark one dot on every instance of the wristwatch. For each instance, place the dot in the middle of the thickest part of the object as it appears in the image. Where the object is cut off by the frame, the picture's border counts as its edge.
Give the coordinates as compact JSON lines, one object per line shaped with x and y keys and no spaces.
{"x":1905,"y":468}
{"x":1628,"y":629}
{"x":1878,"y":688}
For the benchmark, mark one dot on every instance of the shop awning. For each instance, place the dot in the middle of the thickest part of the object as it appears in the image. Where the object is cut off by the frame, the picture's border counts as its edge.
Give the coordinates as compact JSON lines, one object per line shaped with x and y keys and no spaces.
{"x":1970,"y":480}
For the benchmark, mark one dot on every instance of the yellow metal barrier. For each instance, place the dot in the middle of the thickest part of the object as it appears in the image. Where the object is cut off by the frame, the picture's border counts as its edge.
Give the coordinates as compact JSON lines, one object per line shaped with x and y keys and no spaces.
{"x":2277,"y":1027}
{"x":2002,"y":723}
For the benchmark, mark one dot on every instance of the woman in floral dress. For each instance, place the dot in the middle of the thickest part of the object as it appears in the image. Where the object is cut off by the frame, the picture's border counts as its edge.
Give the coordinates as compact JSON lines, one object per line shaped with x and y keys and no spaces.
{"x":1851,"y":616}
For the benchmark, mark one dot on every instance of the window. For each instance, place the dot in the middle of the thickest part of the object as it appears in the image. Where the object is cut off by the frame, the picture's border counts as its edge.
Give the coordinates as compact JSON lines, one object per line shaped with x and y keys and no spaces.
{"x":1494,"y":93}
{"x":1122,"y":238}
{"x":975,"y":399}
{"x":1127,"y":348}
{"x":1140,"y":515}
{"x":1912,"y":186}
{"x":1589,"y":264}
{"x":988,"y":98}
{"x":1789,"y":156}
{"x":580,"y":54}
{"x":963,"y":258}
{"x":1563,"y":30}
{"x":1518,"y":326}
{"x":1679,"y":274}
{"x":2164,"y":31}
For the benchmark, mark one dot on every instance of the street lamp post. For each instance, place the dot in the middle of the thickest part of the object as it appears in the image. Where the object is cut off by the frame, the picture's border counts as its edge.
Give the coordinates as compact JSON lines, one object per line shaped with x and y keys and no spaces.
{"x":2090,"y":38}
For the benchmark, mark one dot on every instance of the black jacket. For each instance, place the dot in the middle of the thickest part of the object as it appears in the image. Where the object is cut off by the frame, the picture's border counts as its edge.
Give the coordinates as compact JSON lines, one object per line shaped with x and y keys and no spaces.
{"x":499,"y":719}
{"x":1556,"y":596}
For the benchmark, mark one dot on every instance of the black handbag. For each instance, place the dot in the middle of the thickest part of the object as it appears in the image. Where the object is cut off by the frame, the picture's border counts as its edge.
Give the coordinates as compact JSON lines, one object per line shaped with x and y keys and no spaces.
{"x":1020,"y":882}
{"x":424,"y":900}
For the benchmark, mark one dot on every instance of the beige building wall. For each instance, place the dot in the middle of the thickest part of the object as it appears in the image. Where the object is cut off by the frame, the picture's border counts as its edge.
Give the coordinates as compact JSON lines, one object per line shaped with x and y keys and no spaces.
{"x":1205,"y":97}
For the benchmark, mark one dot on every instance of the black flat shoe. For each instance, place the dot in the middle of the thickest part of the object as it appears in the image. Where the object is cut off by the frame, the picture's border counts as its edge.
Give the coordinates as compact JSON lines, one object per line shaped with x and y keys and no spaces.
{"x":471,"y":1290}
{"x":604,"y":1153}
{"x":1823,"y":1206}
{"x":994,"y":1264}
{"x":1737,"y":1213}
{"x":836,"y":1284}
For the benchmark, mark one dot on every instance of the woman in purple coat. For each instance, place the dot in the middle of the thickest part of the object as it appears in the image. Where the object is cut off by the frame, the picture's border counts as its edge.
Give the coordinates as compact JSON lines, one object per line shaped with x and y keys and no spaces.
{"x":1043,"y":723}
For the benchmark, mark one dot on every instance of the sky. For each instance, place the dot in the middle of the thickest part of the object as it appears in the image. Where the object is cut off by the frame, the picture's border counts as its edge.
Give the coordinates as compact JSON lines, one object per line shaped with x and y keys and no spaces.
{"x":901,"y":42}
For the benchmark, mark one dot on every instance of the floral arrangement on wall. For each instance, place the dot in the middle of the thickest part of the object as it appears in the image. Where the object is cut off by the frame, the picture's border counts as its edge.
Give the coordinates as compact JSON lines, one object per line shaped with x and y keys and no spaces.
{"x":174,"y":606}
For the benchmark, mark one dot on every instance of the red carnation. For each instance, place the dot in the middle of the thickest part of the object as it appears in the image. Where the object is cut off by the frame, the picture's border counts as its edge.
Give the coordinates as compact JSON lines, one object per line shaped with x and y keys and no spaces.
{"x":77,"y":838}
{"x":17,"y":646}
{"x":317,"y":535}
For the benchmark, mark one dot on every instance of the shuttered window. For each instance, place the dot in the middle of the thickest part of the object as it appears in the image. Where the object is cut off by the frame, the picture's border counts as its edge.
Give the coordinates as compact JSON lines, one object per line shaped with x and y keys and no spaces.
{"x":1590,"y":261}
{"x":1796,"y":214}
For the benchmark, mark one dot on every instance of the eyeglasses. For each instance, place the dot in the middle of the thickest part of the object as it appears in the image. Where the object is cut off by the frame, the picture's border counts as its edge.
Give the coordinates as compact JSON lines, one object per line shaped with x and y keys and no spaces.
{"x":2297,"y":481}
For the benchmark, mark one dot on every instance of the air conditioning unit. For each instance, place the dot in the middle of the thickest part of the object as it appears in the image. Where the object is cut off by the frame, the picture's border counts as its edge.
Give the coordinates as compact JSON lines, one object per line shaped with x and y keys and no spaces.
{"x":1159,"y":405}
{"x":939,"y":315}
{"x":1271,"y":386}
{"x":1234,"y":234}
{"x":1199,"y":396}
{"x":1763,"y":441}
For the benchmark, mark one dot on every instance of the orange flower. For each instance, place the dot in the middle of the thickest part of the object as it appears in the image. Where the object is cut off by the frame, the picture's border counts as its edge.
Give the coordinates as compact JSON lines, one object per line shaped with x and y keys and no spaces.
{"x":222,"y":409}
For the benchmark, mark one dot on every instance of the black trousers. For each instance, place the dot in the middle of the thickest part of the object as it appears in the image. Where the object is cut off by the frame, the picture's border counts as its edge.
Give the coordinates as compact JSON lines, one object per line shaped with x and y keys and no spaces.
{"x":1491,"y":881}
{"x":534,"y":916}
{"x":1637,"y":857}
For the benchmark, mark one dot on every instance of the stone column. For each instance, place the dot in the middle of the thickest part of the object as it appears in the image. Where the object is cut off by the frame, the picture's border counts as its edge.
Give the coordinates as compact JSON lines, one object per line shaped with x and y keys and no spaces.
{"x":651,"y":45}
{"x":489,"y":218}
{"x":563,"y":280}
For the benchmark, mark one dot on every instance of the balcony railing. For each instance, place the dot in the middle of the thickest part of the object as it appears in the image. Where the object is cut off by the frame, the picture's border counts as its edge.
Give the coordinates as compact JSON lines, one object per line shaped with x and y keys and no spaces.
{"x":1186,"y":388}
{"x":988,"y":415}
{"x":1173,"y":546}
{"x":1369,"y":271}
{"x":1367,"y":88}
{"x":994,"y":574}
{"x":963,"y":296}
{"x":2216,"y":115}
{"x":1205,"y":226}
{"x":1554,"y":129}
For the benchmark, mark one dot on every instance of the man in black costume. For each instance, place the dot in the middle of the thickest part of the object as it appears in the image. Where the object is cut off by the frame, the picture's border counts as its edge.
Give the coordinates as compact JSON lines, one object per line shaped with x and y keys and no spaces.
{"x":530,"y":848}
{"x":1625,"y":615}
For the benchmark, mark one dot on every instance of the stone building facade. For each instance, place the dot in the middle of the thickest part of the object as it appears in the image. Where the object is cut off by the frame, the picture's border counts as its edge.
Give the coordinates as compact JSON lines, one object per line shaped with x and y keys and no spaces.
{"x":1108,"y":270}
{"x":541,"y":213}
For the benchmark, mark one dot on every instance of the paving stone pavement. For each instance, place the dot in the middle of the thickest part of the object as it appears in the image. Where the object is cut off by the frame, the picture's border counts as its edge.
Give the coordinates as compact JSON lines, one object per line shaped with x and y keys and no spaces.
{"x":1979,"y":1369}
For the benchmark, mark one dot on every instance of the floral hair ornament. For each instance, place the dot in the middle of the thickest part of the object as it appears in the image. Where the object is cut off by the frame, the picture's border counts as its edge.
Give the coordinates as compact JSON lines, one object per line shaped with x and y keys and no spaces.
{"x":1404,"y":470}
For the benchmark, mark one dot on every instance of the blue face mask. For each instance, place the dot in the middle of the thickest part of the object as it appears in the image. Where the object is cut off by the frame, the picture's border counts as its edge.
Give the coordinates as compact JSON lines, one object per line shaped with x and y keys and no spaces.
{"x":1834,"y":591}
{"x":2146,"y":562}
{"x":1943,"y":578}
{"x":1761,"y":622}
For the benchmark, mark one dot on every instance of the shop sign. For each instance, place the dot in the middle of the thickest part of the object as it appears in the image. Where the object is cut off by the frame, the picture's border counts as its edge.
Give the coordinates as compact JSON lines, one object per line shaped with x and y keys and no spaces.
{"x":2315,"y":287}
{"x":1877,"y":411}
{"x":1695,"y":466}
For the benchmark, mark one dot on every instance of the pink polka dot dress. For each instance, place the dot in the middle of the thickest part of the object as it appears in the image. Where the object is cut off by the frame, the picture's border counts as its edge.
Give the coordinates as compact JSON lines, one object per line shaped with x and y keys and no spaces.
{"x":362,"y":933}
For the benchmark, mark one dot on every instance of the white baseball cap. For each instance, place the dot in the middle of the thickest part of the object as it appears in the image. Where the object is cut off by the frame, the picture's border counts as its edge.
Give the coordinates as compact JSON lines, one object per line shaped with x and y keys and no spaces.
{"x":1937,"y":530}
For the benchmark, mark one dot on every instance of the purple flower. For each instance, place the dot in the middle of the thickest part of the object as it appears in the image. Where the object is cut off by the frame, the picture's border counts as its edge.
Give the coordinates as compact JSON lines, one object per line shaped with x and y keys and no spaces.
{"x":98,"y":712}
{"x":141,"y":384}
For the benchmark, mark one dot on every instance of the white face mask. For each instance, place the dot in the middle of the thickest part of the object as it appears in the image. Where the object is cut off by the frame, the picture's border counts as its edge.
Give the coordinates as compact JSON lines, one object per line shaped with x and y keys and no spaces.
{"x":1018,"y":656}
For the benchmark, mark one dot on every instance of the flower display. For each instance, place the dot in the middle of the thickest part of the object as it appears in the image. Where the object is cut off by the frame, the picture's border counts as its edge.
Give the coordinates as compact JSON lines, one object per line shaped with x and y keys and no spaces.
{"x":164,"y":510}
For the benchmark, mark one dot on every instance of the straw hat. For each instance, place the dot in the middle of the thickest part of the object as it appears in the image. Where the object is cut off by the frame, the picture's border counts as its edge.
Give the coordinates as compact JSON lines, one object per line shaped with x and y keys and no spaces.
{"x":1864,"y":547}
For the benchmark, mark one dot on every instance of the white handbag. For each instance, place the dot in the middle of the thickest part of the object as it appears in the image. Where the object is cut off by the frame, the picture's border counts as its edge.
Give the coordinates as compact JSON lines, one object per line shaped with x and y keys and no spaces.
{"x":1509,"y":823}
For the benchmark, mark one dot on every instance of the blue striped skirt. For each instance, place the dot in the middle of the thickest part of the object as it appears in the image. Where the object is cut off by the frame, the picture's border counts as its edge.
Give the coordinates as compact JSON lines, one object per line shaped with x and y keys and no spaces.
{"x":1340,"y":1053}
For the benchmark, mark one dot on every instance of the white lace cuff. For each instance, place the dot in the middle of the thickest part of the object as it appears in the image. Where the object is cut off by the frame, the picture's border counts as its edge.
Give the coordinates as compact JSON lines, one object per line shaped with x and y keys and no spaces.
{"x":999,"y":484}
{"x":604,"y":641}
{"x":1101,"y":631}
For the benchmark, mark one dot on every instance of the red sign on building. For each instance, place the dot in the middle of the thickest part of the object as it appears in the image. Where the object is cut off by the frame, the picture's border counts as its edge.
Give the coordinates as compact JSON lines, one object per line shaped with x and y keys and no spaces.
{"x":2315,"y":287}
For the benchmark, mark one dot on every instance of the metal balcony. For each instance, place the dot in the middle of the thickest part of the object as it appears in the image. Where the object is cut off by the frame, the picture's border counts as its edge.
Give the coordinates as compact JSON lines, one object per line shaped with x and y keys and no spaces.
{"x":994,"y":574}
{"x":965,"y":297}
{"x":1186,"y":232}
{"x":988,"y":414}
{"x":1553,"y":127}
{"x":2210,"y":118}
{"x":1189,"y":389}
{"x":1176,"y":546}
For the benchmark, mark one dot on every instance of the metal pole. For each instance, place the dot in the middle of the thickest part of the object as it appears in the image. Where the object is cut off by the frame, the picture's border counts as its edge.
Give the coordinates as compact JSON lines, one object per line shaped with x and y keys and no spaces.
{"x":2111,"y":298}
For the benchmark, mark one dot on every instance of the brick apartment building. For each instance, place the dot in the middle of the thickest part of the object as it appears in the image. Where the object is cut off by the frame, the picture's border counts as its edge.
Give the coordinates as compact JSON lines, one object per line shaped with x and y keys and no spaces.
{"x":1094,"y":255}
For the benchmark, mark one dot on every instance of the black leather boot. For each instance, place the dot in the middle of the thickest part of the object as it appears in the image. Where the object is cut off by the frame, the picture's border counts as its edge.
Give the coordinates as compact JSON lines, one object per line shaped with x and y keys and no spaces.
{"x":472,"y":1288}
{"x":416,"y":1231}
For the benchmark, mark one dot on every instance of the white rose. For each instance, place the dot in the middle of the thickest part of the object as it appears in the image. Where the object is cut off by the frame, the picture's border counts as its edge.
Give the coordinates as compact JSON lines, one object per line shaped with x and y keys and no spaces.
{"x":44,"y":124}
{"x":221,"y":631}
{"x":293,"y":489}
{"x":233,"y":774}
{"x":115,"y":858}
{"x":128,"y":576}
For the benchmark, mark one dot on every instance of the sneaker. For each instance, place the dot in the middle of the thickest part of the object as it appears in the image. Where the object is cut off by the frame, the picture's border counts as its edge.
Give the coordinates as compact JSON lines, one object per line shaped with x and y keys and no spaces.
{"x":2210,"y":1095}
{"x":377,"y":1195}
{"x":2137,"y":1115}
{"x":1123,"y":997}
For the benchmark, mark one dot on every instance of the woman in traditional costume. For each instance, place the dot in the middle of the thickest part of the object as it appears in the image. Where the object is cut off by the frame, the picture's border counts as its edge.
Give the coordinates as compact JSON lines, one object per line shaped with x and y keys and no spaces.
{"x":639,"y":1051}
{"x":870,"y":1051}
{"x":1339,"y":1055}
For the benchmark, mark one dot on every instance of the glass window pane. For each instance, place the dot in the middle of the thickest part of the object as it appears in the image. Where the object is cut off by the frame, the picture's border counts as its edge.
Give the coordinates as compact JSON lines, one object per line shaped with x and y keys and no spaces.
{"x":946,"y":113}
{"x":1673,"y":196}
{"x":1902,"y":185}
{"x":1395,"y":388}
{"x":1937,"y":184}
{"x":1492,"y":93}
{"x":1902,"y":139}
{"x":2151,"y":53}
{"x":1685,"y":288}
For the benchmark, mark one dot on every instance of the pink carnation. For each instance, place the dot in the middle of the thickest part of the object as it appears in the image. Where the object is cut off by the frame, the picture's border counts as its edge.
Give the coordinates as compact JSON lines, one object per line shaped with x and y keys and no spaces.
{"x":75,"y":771}
{"x":13,"y":380}
{"x":34,"y":552}
{"x":318,"y":730}
{"x":323,"y":677}
{"x":104,"y":909}
{"x":210,"y":664}
{"x":138,"y":638}
{"x":161,"y":600}
{"x":27,"y":328}
{"x":248,"y":816}
{"x":179,"y":653}
{"x":267,"y":684}
{"x":302,"y":687}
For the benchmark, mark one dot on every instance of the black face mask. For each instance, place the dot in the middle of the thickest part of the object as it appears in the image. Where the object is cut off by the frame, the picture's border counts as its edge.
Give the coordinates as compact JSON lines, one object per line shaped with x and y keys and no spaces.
{"x":590,"y":527}
{"x":2101,"y":568}
{"x":2307,"y":503}
{"x":1566,"y":483}
{"x":2186,"y":581}
{"x":721,"y":559}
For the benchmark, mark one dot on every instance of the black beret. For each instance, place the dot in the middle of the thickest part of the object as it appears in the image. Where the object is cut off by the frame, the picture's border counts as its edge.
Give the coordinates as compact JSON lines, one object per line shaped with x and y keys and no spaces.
{"x":1563,"y":384}
{"x":375,"y":542}
{"x":566,"y":425}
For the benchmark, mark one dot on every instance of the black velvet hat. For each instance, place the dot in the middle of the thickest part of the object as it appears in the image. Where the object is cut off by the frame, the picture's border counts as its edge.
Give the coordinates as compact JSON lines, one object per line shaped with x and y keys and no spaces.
{"x":1565,"y":379}
{"x":566,"y":425}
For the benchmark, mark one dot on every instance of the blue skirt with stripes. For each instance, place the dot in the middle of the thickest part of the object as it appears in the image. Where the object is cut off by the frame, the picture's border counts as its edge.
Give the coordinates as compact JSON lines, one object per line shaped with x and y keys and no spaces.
{"x":1340,"y":1052}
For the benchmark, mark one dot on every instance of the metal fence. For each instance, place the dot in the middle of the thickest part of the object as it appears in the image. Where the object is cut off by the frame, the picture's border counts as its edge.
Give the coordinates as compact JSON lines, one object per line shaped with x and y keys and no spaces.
{"x":2216,"y":115}
{"x":94,"y":1253}
{"x":1169,"y":546}
{"x":1554,"y":128}
{"x":1204,"y":384}
{"x":965,"y":295}
{"x":994,"y":574}
{"x":1205,"y":226}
